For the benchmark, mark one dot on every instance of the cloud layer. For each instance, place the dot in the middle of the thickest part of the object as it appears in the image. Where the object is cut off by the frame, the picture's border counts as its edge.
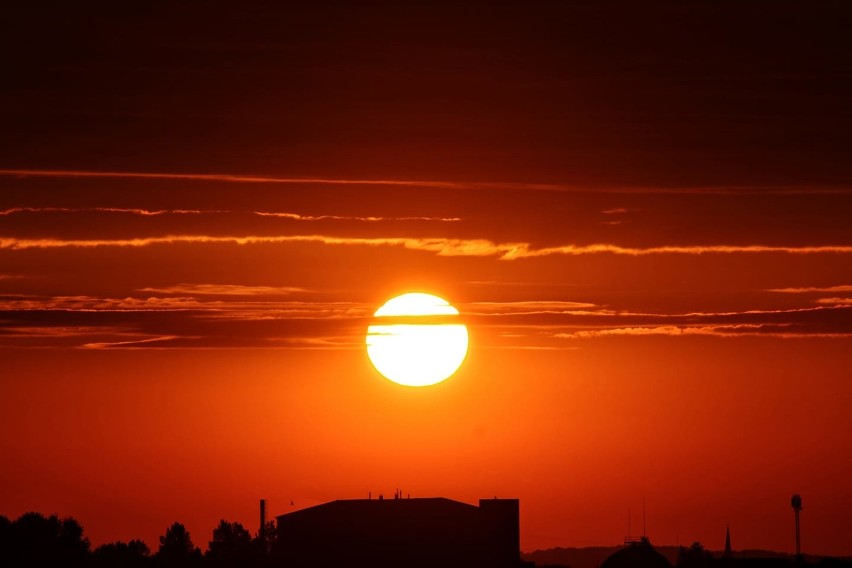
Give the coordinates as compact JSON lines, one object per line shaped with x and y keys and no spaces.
{"x":439,"y":246}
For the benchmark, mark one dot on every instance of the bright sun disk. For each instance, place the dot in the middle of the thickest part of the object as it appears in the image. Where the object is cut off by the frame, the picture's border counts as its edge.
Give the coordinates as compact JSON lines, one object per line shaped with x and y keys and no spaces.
{"x":417,"y":353}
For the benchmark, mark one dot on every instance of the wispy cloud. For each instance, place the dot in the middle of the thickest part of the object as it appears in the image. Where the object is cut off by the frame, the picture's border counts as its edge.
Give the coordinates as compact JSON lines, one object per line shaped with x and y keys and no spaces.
{"x":276,"y":214}
{"x":661,"y":330}
{"x":262,"y":302}
{"x":254,"y":309}
{"x":132,"y":211}
{"x":96,"y":304}
{"x":230,"y":178}
{"x":575,"y":250}
{"x":260,"y":179}
{"x":187,"y":342}
{"x":437,"y":245}
{"x":57,"y":331}
{"x":180,"y":322}
{"x":146,"y":342}
{"x":369,"y":219}
{"x":531,"y":307}
{"x":615,"y":211}
{"x":234,"y":316}
{"x":806,"y":320}
{"x":753,"y":312}
{"x":814,"y":289}
{"x":224,"y":290}
{"x":835,"y":301}
{"x":727,"y":330}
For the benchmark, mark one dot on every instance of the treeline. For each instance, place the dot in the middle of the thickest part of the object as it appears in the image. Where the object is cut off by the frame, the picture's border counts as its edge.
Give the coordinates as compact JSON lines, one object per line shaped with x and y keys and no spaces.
{"x":696,"y":556}
{"x":36,"y":540}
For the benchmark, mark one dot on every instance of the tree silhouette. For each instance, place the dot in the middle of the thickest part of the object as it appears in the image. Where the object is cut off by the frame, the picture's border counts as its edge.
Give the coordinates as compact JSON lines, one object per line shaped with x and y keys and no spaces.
{"x":265,"y":540}
{"x":696,"y":556}
{"x":176,"y":548}
{"x":34,"y":539}
{"x":5,"y":540}
{"x":231,"y":545}
{"x":133,"y":554}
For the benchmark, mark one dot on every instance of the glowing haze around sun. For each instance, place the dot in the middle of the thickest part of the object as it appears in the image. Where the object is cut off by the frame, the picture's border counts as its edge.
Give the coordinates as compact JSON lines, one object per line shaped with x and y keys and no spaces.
{"x":411,"y":342}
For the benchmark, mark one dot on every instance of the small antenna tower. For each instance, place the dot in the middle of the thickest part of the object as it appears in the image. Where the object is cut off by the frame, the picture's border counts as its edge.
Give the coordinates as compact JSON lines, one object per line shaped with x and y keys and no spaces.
{"x":796,"y":503}
{"x":630,"y":539}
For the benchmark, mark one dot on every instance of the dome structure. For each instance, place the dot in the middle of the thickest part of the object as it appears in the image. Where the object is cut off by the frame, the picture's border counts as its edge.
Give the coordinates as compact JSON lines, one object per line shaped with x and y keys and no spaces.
{"x":638,"y":554}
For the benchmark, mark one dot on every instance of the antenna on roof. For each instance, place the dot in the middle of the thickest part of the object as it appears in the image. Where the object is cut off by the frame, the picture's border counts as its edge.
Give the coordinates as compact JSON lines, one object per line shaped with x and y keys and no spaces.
{"x":630,"y":539}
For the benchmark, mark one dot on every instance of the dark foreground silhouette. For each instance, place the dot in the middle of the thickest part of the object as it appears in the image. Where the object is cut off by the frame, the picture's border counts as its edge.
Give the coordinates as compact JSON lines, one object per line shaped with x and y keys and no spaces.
{"x":37,"y":540}
{"x":402,"y":532}
{"x":642,"y":555}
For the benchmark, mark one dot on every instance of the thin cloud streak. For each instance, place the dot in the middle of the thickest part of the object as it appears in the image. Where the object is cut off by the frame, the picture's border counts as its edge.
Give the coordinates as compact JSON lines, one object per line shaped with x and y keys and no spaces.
{"x":224,"y":290}
{"x":728,"y":330}
{"x":439,"y":246}
{"x":838,"y":302}
{"x":812,"y":289}
{"x":221,"y":178}
{"x":723,"y":314}
{"x":257,"y":306}
{"x":58,"y":331}
{"x":520,"y":308}
{"x":159,"y":212}
{"x":661,"y":330}
{"x":93,"y":304}
{"x":259,"y":179}
{"x":614,"y":314}
{"x":130,"y":343}
{"x":262,"y":321}
{"x":575,"y":250}
{"x":228,"y":309}
{"x":132,"y":211}
{"x":299,"y":217}
{"x":168,"y":342}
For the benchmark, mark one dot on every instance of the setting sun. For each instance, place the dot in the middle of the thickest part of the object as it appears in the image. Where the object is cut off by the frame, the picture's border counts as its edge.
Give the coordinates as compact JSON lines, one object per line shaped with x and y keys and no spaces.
{"x":417,"y":354}
{"x":529,"y":264}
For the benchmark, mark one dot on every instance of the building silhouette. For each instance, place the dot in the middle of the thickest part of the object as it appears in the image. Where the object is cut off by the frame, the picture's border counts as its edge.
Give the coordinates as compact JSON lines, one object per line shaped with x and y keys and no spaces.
{"x":636,"y":553}
{"x":414,"y":533}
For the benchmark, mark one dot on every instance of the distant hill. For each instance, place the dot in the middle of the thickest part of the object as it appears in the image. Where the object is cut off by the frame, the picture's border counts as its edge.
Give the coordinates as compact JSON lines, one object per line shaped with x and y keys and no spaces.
{"x":593,"y":556}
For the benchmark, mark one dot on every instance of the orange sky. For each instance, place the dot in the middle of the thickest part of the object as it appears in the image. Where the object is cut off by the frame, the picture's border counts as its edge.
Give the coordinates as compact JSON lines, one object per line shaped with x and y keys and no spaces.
{"x":650,"y":246}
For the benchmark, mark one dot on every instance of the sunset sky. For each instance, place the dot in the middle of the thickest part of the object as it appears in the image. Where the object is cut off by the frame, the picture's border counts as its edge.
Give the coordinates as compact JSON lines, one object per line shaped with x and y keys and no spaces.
{"x":642,"y":215}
